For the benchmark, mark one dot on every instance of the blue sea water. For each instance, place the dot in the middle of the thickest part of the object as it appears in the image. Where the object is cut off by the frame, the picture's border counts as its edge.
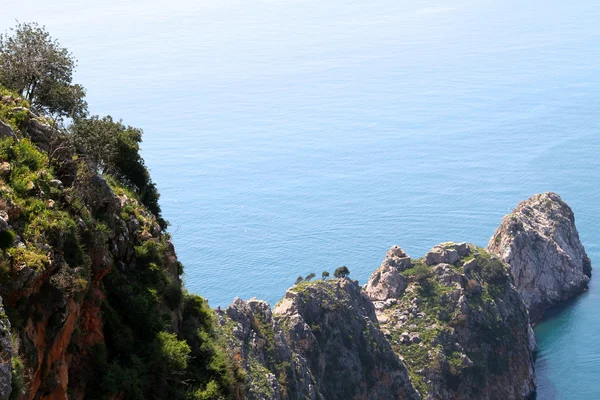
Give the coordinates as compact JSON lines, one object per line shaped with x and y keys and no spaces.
{"x":290,"y":137}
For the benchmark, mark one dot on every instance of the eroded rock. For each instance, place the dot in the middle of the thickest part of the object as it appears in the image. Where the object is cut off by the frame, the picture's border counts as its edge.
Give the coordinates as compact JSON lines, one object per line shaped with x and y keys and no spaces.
{"x":541,"y":244}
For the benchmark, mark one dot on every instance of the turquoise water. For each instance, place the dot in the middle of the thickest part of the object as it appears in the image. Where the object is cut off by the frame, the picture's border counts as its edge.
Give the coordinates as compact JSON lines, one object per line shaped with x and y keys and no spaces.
{"x":290,"y":137}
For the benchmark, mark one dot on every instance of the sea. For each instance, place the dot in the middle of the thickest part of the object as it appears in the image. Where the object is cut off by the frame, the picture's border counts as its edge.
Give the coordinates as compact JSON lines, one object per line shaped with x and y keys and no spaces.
{"x":290,"y":137}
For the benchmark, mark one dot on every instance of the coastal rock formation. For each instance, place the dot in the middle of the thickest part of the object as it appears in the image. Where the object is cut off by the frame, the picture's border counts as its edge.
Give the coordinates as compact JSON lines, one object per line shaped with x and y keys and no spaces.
{"x":449,"y":330}
{"x":461,"y":327}
{"x":387,"y":282}
{"x":322,"y":341}
{"x":94,"y":307}
{"x":540,"y":242}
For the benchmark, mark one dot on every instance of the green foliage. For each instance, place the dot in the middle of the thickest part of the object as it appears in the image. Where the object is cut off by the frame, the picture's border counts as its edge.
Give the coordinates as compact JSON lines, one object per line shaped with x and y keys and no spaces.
{"x":18,"y":381}
{"x":210,"y":362}
{"x":22,"y":153}
{"x":141,"y":356}
{"x":211,"y":392}
{"x":420,"y":272}
{"x":37,"y":67}
{"x":7,"y":238}
{"x":175,"y":353}
{"x":115,"y":149}
{"x":299,"y":280}
{"x":32,"y":257}
{"x":341,"y":272}
{"x":310,"y":276}
{"x":14,"y":114}
{"x":494,"y":272}
{"x":173,"y":295}
{"x":325,"y":275}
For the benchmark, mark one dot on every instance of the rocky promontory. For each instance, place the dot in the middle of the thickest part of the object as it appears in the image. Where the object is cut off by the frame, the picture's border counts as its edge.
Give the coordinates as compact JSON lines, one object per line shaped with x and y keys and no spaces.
{"x":450,"y":325}
{"x":541,"y":244}
{"x":322,"y":341}
{"x":459,"y":323}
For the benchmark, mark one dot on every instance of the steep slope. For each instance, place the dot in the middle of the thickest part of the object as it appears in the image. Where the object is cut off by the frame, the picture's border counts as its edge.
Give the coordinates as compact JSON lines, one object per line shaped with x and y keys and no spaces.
{"x":541,"y":244}
{"x":90,"y":282}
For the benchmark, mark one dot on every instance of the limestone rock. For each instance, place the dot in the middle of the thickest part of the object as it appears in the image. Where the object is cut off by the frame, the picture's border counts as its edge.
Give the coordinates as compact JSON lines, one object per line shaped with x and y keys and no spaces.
{"x":5,"y":169}
{"x":462,"y":329}
{"x":387,"y":282}
{"x":448,"y":253}
{"x":541,"y":244}
{"x":328,"y":335}
{"x":6,"y":131}
{"x":56,"y":183}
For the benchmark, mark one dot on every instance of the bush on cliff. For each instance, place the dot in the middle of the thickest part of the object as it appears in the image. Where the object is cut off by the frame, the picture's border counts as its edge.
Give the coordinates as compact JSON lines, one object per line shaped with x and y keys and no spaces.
{"x":114,"y":148}
{"x":341,"y":272}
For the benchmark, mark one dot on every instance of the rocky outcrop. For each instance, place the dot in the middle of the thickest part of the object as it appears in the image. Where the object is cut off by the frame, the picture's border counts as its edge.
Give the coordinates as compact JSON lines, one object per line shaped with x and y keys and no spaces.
{"x":322,"y":341}
{"x":540,"y":242}
{"x":6,"y":131}
{"x":461,"y":326}
{"x":387,"y":282}
{"x":450,"y":326}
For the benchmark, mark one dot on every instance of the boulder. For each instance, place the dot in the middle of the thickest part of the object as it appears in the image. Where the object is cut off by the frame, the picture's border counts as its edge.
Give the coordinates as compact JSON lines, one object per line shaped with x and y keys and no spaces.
{"x":6,"y":131}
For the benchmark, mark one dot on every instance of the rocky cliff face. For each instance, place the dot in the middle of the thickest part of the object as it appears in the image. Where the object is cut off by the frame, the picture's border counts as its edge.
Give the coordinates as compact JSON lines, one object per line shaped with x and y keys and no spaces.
{"x":322,"y":341}
{"x":540,"y":242}
{"x":458,"y":322}
{"x":90,"y":282}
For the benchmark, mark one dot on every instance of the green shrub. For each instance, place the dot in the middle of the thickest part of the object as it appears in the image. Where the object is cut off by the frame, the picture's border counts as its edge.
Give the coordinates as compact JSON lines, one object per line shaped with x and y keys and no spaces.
{"x":7,"y":238}
{"x":173,"y":295}
{"x":19,"y":380}
{"x":341,"y":272}
{"x":175,"y":353}
{"x":419,"y":271}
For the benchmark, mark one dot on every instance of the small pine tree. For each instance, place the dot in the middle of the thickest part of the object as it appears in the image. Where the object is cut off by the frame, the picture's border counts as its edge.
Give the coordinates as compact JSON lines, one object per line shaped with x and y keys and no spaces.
{"x":310,"y":276}
{"x":299,"y":280}
{"x":341,"y":272}
{"x":325,"y":275}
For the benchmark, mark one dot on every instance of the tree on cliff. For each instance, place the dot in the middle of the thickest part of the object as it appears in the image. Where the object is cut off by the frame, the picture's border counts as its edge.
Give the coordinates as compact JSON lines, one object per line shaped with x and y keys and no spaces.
{"x":341,"y":272}
{"x":310,"y":276}
{"x":114,"y":149}
{"x":325,"y":275}
{"x":34,"y":65}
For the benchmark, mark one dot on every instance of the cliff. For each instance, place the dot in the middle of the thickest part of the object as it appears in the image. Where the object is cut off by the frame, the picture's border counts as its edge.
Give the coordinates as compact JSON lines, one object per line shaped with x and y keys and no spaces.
{"x":94,"y":306}
{"x":541,"y":244}
{"x":322,"y":341}
{"x":90,"y":282}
